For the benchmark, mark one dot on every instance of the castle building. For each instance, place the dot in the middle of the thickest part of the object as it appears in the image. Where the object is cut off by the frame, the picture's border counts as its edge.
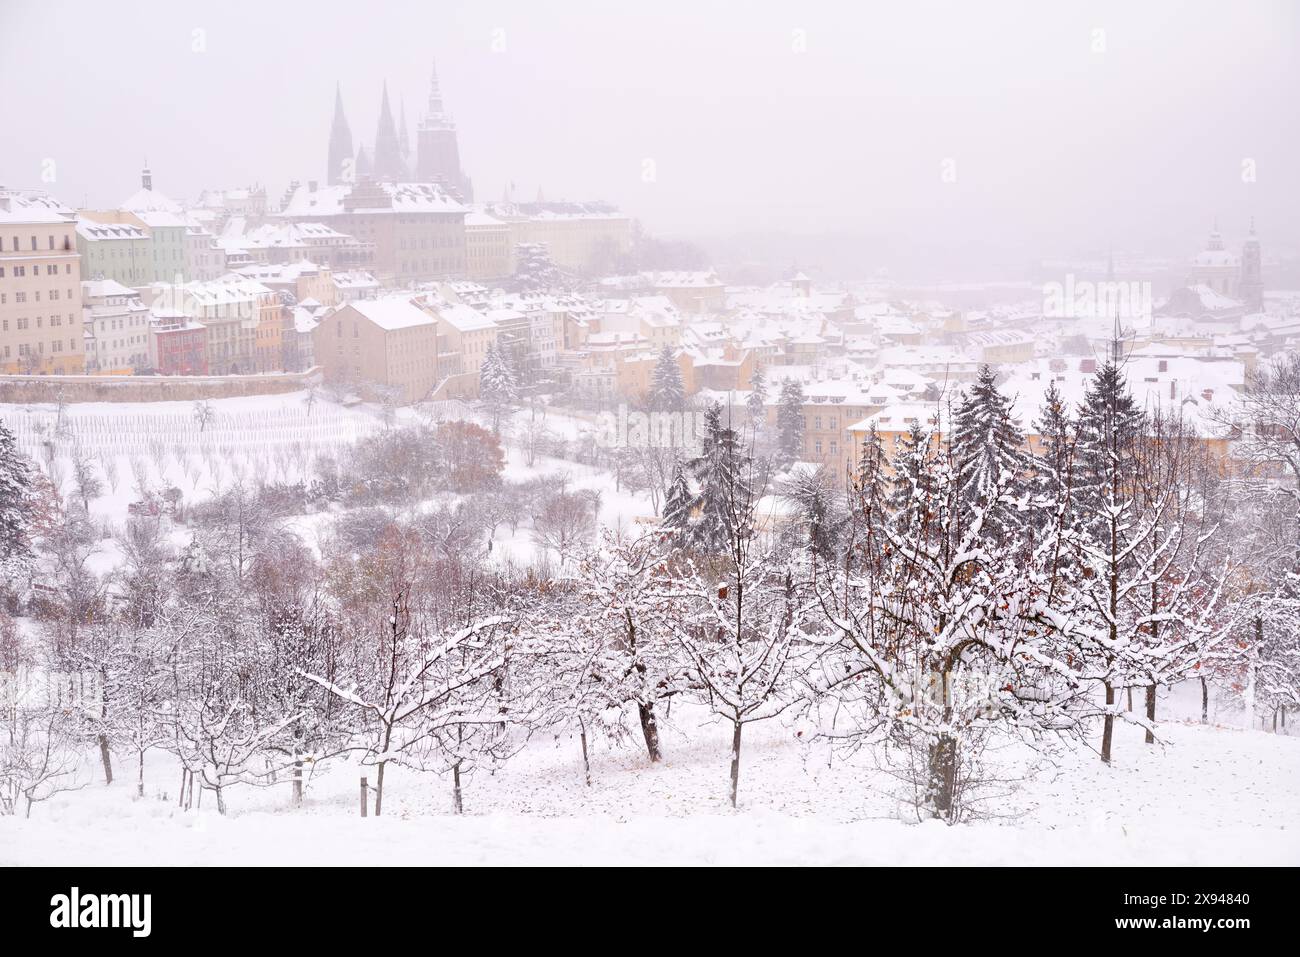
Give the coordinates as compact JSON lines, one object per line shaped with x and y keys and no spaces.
{"x":339,"y":167}
{"x":438,"y":152}
{"x":436,"y":157}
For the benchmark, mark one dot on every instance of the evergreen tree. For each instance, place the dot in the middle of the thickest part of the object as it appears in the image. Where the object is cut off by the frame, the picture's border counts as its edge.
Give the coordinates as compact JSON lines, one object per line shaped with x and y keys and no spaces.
{"x":679,"y":501}
{"x":756,"y":403}
{"x":790,"y":422}
{"x":1108,"y":428}
{"x":535,"y":270}
{"x":498,"y":387}
{"x":869,"y":485}
{"x":667,"y":390}
{"x":15,"y":490}
{"x":725,"y":496}
{"x":987,"y":444}
{"x":911,"y":488}
{"x":1103,"y":489}
{"x":812,"y":493}
{"x":1054,"y":459}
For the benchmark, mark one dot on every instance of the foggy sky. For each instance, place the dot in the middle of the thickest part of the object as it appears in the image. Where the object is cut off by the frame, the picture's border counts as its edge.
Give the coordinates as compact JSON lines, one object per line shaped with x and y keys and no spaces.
{"x":1058,"y":150}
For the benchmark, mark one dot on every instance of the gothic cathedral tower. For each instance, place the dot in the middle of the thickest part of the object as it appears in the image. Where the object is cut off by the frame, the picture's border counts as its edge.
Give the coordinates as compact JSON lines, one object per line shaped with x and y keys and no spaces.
{"x":339,"y":168}
{"x":437,"y":152}
{"x":388,"y":151}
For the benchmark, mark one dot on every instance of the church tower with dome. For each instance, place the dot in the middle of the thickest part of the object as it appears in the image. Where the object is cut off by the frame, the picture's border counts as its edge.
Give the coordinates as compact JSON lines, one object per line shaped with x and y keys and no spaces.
{"x":1215,"y":266}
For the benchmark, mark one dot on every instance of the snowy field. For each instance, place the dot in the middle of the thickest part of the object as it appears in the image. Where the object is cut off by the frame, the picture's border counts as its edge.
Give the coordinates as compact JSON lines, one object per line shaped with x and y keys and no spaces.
{"x":1212,"y":795}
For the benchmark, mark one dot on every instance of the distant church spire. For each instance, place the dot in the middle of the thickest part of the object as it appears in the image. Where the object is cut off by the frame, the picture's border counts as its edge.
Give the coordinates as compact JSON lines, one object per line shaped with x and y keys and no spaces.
{"x":403,"y":140}
{"x":340,"y":152}
{"x":388,"y":156}
{"x":435,"y":94}
{"x":437,"y":151}
{"x":1252,"y":271}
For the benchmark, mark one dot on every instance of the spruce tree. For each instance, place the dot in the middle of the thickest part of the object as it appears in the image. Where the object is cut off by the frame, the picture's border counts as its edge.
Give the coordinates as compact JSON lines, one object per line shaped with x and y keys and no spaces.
{"x":756,"y":403}
{"x":811,"y":492}
{"x":725,"y":495}
{"x":679,"y":501}
{"x":667,"y":390}
{"x":869,"y":483}
{"x":498,"y":387}
{"x":911,"y":487}
{"x":1053,"y":460}
{"x":988,"y":448}
{"x":1108,"y":428}
{"x":790,"y":422}
{"x":15,"y":489}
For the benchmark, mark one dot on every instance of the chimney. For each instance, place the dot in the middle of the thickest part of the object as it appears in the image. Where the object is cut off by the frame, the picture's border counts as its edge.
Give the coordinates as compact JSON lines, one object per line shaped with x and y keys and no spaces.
{"x":146,"y":179}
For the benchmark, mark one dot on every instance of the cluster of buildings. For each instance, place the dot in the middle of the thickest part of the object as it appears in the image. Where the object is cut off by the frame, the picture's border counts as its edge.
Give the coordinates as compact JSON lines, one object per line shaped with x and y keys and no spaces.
{"x":235,"y":284}
{"x":388,"y":275}
{"x":865,"y":358}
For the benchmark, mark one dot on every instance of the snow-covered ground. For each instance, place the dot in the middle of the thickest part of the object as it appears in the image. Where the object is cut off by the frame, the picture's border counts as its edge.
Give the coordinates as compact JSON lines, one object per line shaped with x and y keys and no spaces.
{"x":1213,"y":794}
{"x":1209,"y":795}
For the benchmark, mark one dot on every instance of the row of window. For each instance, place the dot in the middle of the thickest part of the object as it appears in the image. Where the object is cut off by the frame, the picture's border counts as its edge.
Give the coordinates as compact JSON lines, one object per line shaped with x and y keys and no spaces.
{"x":24,"y":322}
{"x":51,"y":269}
{"x":66,"y":244}
{"x":20,"y":297}
{"x":25,"y":348}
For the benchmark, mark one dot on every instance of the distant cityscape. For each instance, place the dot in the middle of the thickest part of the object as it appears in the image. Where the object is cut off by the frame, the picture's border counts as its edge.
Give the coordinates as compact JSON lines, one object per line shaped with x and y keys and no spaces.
{"x":388,"y":275}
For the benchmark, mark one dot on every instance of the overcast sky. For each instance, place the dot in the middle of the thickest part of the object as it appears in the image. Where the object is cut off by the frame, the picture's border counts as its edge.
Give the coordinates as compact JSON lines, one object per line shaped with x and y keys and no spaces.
{"x":757,"y":118}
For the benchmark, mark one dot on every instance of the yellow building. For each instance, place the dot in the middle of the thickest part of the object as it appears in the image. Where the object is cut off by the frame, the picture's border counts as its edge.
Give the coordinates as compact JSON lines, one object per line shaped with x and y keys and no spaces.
{"x":388,"y":342}
{"x":489,"y":247}
{"x":40,"y":286}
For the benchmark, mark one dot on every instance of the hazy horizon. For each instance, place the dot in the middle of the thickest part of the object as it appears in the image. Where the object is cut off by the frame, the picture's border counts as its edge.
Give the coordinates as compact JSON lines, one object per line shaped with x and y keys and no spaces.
{"x":777,"y":121}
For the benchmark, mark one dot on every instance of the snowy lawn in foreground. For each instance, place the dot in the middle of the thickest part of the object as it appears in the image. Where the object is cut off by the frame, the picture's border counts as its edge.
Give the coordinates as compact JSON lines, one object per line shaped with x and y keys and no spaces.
{"x":1211,"y":795}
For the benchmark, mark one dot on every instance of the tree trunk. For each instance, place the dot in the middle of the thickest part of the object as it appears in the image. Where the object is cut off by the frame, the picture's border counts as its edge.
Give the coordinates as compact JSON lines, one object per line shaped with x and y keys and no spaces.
{"x":586,"y":762}
{"x":942,"y":786}
{"x":457,"y":804}
{"x":650,"y":730}
{"x":1108,"y":724}
{"x":297,"y":783}
{"x":1151,"y":712}
{"x":221,"y":800}
{"x":379,"y":789}
{"x":1129,"y":689}
{"x":106,"y":758}
{"x":364,"y":792}
{"x":735,"y":760}
{"x":1205,"y":701}
{"x":180,"y":798}
{"x":139,"y":780}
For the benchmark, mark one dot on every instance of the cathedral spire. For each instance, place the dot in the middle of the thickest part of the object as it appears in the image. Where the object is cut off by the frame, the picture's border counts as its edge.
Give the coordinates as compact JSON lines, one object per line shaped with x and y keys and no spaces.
{"x":403,"y":140}
{"x":338,"y":169}
{"x":435,"y":94}
{"x":388,"y":157}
